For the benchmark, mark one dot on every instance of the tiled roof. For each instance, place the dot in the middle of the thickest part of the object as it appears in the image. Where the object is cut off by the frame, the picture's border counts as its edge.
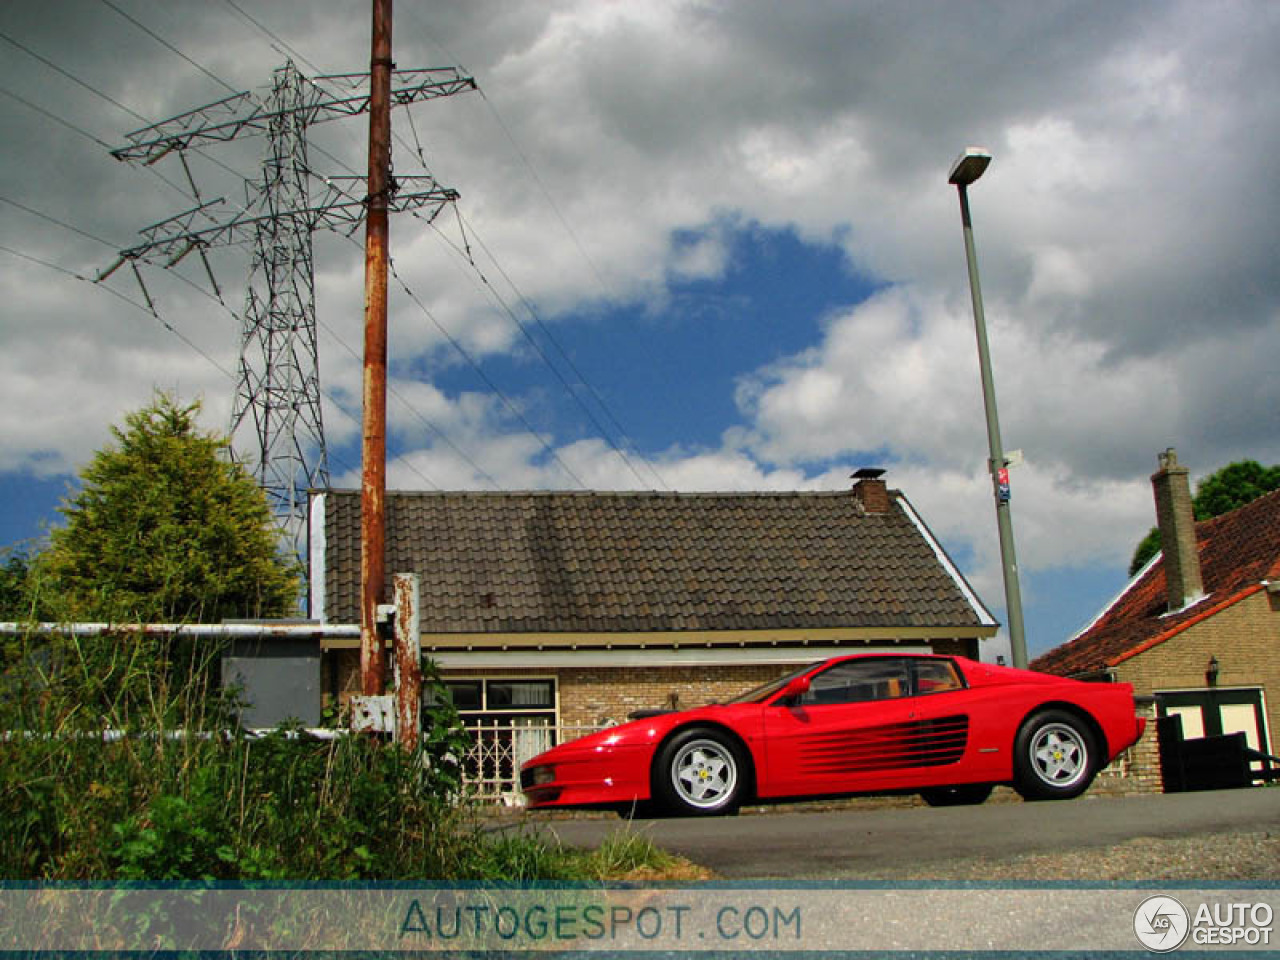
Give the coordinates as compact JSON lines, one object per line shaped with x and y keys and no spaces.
{"x":1238,"y":551}
{"x":606,"y":562}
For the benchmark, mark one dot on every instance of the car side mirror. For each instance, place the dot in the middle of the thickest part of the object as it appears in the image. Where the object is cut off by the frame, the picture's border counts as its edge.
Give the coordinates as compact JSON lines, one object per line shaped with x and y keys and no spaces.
{"x":795,"y":689}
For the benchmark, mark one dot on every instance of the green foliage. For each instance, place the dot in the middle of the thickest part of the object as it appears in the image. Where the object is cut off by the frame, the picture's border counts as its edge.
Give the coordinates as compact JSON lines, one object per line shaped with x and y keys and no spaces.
{"x":173,"y":790}
{"x":626,"y":852}
{"x":14,"y":573}
{"x":1221,"y":492}
{"x":1233,"y":486}
{"x":119,"y":766}
{"x":167,"y":529}
{"x":525,"y":857}
{"x":1147,"y":548}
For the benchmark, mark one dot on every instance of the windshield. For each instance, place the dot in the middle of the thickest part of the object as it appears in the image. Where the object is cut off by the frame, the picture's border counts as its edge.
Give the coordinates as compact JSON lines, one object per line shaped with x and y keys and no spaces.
{"x":765,"y":691}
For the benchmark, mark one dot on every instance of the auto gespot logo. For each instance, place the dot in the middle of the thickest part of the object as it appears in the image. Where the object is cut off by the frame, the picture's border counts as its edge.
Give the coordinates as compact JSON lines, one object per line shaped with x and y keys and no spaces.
{"x":1163,"y":924}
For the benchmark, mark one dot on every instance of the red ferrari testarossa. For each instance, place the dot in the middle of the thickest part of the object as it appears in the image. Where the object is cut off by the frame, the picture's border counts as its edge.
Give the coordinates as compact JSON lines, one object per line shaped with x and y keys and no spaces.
{"x":945,"y":727}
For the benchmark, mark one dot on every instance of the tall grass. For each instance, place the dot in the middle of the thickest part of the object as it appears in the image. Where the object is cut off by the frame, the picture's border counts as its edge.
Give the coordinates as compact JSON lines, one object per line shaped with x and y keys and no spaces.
{"x":121,"y":760}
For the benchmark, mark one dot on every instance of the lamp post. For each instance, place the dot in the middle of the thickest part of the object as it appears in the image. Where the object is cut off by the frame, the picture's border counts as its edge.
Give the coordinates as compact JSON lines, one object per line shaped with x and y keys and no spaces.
{"x":968,"y":168}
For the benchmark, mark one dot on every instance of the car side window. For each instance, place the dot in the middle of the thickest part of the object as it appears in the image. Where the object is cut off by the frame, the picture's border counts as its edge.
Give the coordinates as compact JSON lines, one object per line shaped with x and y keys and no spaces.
{"x":856,"y":681}
{"x":937,"y":676}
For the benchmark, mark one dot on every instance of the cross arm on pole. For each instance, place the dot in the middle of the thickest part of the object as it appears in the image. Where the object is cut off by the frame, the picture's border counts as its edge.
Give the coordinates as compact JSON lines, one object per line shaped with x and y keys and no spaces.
{"x":244,"y":113}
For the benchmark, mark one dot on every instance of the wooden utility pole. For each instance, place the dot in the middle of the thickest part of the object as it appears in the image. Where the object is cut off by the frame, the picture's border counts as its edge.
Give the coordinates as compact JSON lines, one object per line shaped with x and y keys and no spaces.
{"x":374,"y":449}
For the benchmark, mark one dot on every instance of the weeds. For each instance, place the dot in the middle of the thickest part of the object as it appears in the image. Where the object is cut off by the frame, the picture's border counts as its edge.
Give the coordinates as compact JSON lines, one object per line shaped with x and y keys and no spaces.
{"x":121,"y":760}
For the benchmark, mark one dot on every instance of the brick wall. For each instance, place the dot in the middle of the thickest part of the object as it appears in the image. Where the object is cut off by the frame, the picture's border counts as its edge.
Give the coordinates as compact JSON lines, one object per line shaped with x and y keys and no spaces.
{"x":590,"y":696}
{"x":1245,"y":639}
{"x":1137,"y":770}
{"x":956,"y":647}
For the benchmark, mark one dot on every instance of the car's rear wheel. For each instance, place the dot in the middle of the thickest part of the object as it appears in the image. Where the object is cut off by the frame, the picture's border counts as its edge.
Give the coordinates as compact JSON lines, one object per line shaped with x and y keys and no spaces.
{"x":700,"y":772}
{"x":1054,"y":757}
{"x":963,"y":794}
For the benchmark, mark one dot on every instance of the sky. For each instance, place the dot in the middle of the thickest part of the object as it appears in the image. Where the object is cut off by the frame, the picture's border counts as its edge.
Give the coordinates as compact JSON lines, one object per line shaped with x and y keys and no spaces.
{"x":699,"y":246}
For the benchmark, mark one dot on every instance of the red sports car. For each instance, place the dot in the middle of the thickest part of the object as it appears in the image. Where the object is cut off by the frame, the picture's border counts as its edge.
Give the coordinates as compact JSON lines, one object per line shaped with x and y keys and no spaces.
{"x":945,"y":727}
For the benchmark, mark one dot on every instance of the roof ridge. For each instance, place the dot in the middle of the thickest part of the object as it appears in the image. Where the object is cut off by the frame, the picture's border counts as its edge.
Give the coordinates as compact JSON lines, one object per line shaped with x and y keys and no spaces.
{"x":620,"y":494}
{"x":1257,"y":503}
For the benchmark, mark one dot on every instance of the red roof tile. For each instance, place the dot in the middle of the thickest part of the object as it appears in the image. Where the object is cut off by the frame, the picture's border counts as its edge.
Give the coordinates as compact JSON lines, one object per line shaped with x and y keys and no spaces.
{"x":1238,"y":551}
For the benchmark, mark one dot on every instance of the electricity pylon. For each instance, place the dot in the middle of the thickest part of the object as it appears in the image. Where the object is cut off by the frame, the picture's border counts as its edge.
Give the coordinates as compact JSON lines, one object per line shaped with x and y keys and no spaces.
{"x":277,"y":430}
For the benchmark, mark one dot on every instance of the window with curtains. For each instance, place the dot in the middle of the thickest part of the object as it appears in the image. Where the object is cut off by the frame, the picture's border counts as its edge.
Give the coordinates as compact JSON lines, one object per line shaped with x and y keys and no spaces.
{"x":499,"y":697}
{"x":511,"y":720}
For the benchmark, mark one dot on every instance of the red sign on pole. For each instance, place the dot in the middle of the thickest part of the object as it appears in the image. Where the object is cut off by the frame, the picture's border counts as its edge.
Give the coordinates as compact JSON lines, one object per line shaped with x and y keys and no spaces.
{"x":1002,"y":485}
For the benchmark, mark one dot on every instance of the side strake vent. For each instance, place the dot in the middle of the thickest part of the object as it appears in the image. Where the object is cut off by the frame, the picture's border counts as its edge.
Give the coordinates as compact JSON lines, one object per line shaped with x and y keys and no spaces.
{"x":919,"y":743}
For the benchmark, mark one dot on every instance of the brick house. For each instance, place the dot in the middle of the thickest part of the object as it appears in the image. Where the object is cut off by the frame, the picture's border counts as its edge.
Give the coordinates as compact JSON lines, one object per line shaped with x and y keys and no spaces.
{"x":1198,"y":628}
{"x":578,"y":608}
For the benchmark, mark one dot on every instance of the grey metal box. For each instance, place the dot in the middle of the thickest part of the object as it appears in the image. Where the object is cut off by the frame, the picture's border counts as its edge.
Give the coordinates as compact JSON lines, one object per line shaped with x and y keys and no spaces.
{"x":278,"y":679}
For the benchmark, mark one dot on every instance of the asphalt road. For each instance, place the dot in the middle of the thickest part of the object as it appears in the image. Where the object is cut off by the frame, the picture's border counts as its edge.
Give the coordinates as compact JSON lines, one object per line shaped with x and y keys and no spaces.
{"x":851,"y":842}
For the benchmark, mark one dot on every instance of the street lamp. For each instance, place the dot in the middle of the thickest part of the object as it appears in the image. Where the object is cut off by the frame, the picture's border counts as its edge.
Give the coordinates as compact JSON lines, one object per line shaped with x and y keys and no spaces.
{"x":969,"y":166}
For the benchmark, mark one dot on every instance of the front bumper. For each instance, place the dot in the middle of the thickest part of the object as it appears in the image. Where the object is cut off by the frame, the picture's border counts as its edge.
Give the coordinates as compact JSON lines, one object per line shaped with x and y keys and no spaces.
{"x":617,"y":776}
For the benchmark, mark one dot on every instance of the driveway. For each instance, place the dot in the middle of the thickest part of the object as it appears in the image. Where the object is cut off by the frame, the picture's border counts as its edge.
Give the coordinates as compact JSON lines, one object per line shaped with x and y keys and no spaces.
{"x":857,"y":842}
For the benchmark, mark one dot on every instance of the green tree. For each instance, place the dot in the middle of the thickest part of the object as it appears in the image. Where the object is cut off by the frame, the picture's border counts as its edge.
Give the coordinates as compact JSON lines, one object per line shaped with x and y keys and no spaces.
{"x":14,"y":573}
{"x":166,"y":528}
{"x":1221,"y":492}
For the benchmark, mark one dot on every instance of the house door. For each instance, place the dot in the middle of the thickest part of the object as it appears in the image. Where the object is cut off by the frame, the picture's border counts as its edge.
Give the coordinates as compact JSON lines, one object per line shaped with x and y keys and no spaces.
{"x":1214,"y":711}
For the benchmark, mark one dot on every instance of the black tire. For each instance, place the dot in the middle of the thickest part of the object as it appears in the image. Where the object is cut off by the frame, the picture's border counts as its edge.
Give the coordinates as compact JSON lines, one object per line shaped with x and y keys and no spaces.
{"x":700,"y":772}
{"x":1055,"y":757}
{"x":961,"y":795}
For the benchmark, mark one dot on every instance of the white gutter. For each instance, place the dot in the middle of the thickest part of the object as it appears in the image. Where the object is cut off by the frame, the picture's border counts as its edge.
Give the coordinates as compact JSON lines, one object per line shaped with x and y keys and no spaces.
{"x":653,"y":657}
{"x":316,"y":560}
{"x":300,"y":631}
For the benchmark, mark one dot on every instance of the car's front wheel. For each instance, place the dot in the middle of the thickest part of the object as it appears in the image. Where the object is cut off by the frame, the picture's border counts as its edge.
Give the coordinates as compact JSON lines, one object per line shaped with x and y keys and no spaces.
{"x":700,"y":772}
{"x":1054,"y":757}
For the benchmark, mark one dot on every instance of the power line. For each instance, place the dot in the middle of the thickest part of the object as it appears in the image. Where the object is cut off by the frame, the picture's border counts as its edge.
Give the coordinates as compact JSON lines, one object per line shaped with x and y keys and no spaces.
{"x":328,"y":394}
{"x":168,"y":46}
{"x":294,"y":52}
{"x":72,"y":77}
{"x":550,"y":199}
{"x":395,"y":394}
{"x":604,"y":433}
{"x":149,"y":309}
{"x":457,"y":346}
{"x":54,"y":220}
{"x":145,"y":308}
{"x":462,"y":351}
{"x":257,"y":23}
{"x":528,"y":305}
{"x":55,"y":118}
{"x":546,"y":360}
{"x":61,"y":71}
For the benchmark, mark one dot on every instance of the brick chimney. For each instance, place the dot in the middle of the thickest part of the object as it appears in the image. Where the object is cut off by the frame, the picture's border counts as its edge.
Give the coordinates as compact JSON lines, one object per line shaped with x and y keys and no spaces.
{"x":871,"y":490}
{"x":1177,"y":532}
